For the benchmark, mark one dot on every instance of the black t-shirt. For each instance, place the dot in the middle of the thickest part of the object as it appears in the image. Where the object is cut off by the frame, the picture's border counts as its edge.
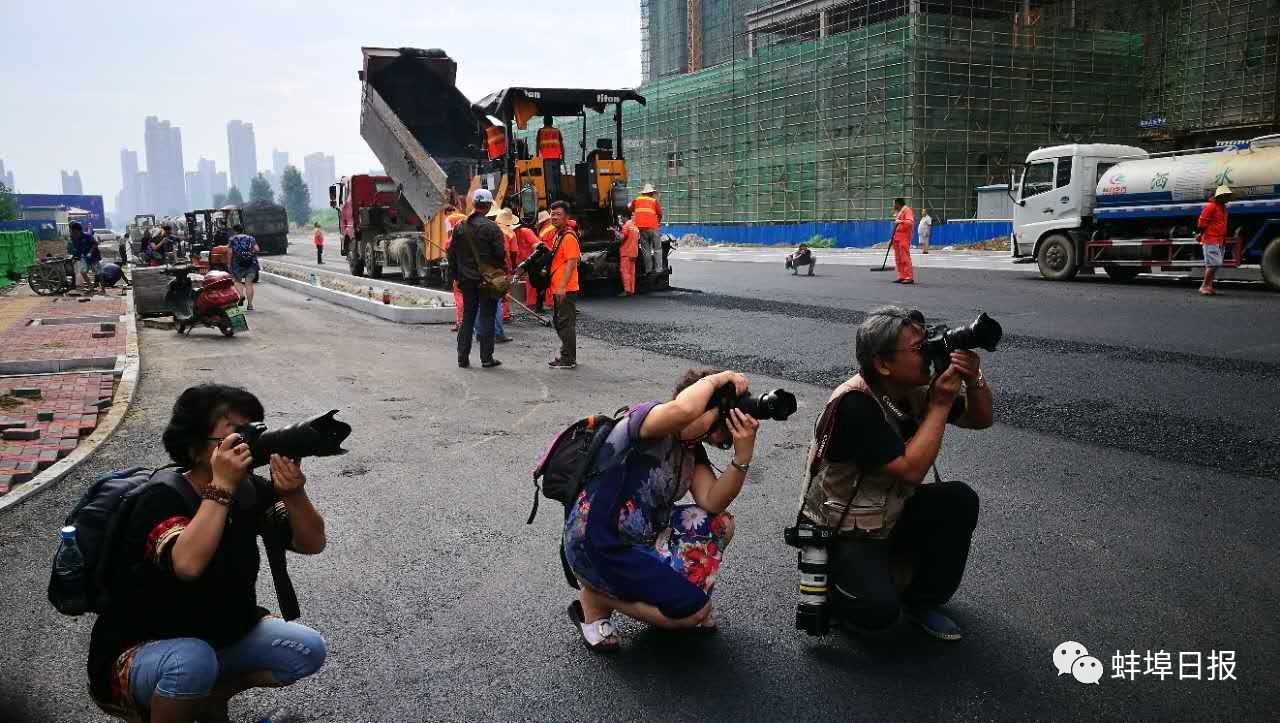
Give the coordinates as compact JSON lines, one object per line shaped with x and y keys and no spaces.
{"x":151,"y":603}
{"x":862,"y":435}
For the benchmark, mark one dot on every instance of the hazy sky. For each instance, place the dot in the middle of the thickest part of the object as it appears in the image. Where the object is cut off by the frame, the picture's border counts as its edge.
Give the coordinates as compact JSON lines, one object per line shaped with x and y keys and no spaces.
{"x":79,"y":76}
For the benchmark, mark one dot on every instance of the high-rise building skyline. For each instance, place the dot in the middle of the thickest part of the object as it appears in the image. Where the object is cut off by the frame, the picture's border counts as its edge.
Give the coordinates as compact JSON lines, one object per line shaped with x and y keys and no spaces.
{"x":242,"y":153}
{"x":71,"y":184}
{"x":166,"y":178}
{"x":220,"y":185}
{"x":129,"y":200}
{"x":319,"y":171}
{"x":279,"y":162}
{"x":6,"y":177}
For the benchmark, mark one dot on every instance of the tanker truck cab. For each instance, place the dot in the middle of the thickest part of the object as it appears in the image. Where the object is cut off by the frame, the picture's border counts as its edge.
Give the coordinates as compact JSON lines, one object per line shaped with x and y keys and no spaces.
{"x":1054,"y":201}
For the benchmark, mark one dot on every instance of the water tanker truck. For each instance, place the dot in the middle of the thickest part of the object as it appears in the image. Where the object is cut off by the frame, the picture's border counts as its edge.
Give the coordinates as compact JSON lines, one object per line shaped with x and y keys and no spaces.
{"x":1119,"y":208}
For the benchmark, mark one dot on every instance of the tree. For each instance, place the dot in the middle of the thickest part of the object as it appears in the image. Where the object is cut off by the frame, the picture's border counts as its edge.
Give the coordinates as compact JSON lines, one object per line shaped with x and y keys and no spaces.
{"x":260,"y":190}
{"x":219,"y":200}
{"x":233,"y":196}
{"x":8,"y":206}
{"x":297,"y":197}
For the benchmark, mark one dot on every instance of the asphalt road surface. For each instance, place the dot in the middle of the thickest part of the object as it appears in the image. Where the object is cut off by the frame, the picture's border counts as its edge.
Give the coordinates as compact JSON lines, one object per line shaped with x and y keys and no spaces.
{"x":1128,"y":503}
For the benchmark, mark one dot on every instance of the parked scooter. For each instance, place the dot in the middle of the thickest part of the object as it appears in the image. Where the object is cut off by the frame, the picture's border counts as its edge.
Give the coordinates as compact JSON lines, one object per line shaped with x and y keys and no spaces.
{"x":216,"y":305}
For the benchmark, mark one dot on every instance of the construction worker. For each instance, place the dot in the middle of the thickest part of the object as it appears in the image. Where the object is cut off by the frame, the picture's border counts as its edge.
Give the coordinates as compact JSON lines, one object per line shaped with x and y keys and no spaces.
{"x":564,"y":286}
{"x":628,"y":250}
{"x":451,"y":218}
{"x":904,"y":223}
{"x":1212,"y":226}
{"x":646,"y":211}
{"x":551,"y":150}
{"x":546,"y":234}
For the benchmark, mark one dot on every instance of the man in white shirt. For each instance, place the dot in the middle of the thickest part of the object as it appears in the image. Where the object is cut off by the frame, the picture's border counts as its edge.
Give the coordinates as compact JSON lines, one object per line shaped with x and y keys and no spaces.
{"x":926,"y":225}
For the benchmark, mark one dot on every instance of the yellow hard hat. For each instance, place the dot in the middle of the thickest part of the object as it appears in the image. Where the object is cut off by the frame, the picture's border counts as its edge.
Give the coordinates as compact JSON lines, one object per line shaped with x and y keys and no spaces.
{"x":1223,"y":191}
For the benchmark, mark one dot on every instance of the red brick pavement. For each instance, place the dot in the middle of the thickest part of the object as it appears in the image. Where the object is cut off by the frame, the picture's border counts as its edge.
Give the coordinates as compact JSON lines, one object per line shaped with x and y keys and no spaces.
{"x":20,"y":341}
{"x":72,"y":399}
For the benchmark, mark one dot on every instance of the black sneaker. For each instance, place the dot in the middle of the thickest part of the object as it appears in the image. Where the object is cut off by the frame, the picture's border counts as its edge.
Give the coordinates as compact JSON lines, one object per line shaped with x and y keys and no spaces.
{"x":557,"y":364}
{"x":501,"y":339}
{"x":464,"y":363}
{"x":491,"y":364}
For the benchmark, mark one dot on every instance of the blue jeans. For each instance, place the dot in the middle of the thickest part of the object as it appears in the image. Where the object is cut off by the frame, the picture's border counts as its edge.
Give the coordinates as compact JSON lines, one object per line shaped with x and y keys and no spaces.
{"x":498,"y":329}
{"x":186,"y":668}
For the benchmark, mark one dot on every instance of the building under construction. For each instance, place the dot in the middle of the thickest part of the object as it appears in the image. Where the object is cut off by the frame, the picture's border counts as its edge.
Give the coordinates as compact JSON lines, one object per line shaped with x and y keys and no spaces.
{"x":772,"y":121}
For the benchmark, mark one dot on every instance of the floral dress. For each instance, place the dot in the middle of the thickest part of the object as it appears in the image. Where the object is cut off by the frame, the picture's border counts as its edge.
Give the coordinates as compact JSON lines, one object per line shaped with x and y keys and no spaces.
{"x":626,"y":537}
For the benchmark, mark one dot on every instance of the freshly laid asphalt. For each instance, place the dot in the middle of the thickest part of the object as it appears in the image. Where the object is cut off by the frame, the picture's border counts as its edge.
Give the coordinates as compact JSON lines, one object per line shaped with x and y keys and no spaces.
{"x":1128,"y":503}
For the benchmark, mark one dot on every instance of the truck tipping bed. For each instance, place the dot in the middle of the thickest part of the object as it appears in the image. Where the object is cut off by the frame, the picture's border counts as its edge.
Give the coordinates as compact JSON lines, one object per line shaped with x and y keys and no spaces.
{"x":419,"y":125}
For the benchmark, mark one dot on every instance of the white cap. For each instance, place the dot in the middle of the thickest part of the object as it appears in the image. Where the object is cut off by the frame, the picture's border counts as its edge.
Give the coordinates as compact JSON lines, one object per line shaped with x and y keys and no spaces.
{"x":482,"y":195}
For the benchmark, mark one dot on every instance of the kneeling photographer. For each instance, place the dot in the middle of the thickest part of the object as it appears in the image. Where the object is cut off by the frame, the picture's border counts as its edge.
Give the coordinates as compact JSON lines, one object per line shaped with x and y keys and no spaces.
{"x":631,"y":547}
{"x":895,"y":542}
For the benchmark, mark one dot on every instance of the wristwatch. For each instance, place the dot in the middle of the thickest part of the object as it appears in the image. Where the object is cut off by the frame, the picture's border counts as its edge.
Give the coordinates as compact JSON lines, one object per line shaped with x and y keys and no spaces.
{"x":982,"y":381}
{"x":743,"y":467}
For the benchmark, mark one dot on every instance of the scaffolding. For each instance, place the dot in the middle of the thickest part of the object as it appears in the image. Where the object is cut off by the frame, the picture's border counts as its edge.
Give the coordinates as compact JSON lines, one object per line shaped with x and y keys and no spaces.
{"x":826,"y":110}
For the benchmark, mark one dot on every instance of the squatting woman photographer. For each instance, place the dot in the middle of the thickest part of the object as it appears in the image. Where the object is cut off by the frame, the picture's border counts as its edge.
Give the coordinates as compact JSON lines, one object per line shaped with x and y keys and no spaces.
{"x":185,"y":632}
{"x":903,"y":542}
{"x":631,"y":547}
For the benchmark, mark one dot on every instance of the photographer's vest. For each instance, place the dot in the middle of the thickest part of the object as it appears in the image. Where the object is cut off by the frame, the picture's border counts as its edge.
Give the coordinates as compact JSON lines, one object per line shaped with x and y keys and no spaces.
{"x":874,"y":499}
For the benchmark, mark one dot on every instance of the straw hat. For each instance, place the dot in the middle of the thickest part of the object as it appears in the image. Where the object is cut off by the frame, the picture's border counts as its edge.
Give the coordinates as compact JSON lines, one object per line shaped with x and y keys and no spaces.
{"x":648,"y":188}
{"x":1223,"y":191}
{"x":507,"y":218}
{"x":543,"y":217}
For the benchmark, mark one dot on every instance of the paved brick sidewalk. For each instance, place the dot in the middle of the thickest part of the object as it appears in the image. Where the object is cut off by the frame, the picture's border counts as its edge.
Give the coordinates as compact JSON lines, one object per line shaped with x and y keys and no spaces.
{"x":60,"y":327}
{"x":44,"y":417}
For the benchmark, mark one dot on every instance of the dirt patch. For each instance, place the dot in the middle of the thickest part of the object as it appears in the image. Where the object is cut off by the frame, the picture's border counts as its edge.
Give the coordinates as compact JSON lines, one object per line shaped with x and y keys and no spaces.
{"x":8,"y":402}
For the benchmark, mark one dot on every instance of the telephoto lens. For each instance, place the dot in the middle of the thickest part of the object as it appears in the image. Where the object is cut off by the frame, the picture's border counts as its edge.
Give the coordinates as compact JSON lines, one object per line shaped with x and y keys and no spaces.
{"x":776,"y":405}
{"x":812,"y":613}
{"x":320,"y":436}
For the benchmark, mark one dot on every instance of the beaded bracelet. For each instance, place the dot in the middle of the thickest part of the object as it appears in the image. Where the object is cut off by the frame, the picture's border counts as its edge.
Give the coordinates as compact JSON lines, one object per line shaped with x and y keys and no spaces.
{"x":222,"y":497}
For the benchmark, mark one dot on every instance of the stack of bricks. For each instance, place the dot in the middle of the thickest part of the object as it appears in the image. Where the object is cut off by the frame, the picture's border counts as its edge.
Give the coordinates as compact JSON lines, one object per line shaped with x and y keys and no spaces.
{"x":43,"y":419}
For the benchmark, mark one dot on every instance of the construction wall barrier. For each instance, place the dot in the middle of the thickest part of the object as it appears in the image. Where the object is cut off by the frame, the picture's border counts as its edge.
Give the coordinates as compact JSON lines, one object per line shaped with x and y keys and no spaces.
{"x":844,"y":234}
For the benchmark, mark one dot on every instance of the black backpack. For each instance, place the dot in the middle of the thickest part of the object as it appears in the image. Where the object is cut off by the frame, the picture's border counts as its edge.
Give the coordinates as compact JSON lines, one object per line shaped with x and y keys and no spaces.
{"x":566,"y":465}
{"x":101,"y":518}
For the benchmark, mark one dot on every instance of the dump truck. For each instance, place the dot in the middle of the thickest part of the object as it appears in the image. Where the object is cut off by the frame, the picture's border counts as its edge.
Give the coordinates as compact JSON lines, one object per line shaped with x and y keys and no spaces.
{"x":439,"y":148}
{"x":377,"y":226}
{"x":1126,"y":211}
{"x":267,"y":222}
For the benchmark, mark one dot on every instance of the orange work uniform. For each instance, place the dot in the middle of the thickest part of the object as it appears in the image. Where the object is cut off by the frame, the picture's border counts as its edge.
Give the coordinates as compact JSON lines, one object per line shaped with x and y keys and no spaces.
{"x":627,"y":253}
{"x":903,"y":224}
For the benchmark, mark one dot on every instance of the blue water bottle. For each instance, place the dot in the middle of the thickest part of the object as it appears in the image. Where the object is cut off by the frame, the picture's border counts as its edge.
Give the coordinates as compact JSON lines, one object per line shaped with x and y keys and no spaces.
{"x":68,"y":570}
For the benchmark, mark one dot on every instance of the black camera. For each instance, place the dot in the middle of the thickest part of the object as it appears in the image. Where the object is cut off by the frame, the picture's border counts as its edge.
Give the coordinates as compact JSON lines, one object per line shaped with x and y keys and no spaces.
{"x":812,"y":613}
{"x":776,"y":405}
{"x":983,"y":333}
{"x":320,"y":436}
{"x":537,"y":268}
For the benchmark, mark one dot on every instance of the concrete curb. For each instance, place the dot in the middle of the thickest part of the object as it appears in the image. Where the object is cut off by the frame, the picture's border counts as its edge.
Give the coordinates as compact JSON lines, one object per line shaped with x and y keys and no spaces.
{"x":396,"y":314}
{"x":126,"y":370}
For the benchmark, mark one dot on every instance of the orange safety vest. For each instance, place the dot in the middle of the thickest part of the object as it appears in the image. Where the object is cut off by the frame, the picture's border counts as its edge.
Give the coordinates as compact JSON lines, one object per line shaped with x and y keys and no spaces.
{"x":550,"y":144}
{"x":645,"y":210}
{"x":495,"y":139}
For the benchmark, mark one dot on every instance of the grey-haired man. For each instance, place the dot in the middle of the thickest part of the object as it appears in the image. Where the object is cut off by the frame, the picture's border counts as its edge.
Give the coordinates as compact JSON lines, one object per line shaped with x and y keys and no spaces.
{"x":880,"y":434}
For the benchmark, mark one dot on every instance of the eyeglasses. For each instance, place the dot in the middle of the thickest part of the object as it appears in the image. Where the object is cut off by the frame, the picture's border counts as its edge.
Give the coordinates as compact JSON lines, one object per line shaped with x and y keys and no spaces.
{"x":916,"y":348}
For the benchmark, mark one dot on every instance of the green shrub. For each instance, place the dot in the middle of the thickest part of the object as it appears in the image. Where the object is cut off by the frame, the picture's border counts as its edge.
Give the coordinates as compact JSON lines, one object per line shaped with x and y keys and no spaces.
{"x":820,"y":242}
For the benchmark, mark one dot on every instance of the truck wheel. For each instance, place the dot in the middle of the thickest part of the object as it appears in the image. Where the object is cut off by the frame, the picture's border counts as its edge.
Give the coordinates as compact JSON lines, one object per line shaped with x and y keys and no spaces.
{"x":1122,"y":273}
{"x":1271,"y":264}
{"x":1057,"y":258}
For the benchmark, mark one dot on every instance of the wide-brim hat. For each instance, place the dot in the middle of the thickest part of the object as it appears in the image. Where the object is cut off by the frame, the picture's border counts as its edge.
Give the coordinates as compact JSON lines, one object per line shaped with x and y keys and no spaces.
{"x":648,"y":188}
{"x":507,"y":218}
{"x":493,"y":212}
{"x":543,"y":217}
{"x":1223,"y":191}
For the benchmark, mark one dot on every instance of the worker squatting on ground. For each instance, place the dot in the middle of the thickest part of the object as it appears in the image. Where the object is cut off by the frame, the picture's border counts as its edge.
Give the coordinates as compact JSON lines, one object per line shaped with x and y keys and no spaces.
{"x":802,"y":257}
{"x":551,"y":150}
{"x":1212,"y":226}
{"x":628,"y":250}
{"x":647,"y":213}
{"x":904,"y":223}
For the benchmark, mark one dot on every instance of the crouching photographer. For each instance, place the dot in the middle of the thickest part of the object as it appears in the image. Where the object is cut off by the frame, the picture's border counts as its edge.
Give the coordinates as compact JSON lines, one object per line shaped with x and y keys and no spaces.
{"x":179,"y":630}
{"x":631,"y":547}
{"x":886,"y":540}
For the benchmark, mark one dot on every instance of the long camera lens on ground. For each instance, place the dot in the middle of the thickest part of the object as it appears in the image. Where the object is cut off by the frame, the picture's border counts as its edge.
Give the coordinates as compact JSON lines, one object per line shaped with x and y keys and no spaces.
{"x":320,"y":436}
